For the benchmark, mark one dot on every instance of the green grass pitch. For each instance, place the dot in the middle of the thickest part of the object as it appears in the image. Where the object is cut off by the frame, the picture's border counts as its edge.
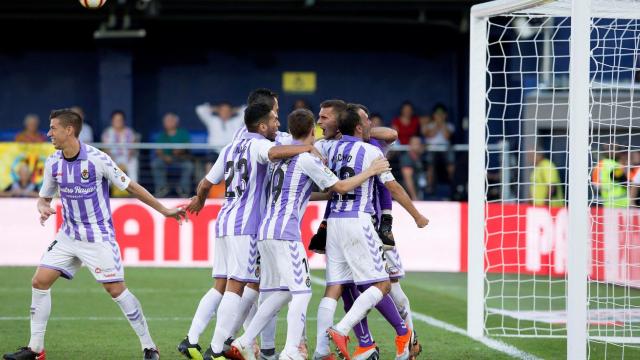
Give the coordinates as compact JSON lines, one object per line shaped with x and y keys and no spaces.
{"x":86,"y":324}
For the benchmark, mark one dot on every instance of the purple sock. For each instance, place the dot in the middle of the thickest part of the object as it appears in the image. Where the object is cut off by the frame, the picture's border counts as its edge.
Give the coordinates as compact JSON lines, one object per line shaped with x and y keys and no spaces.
{"x":388,"y":309}
{"x":349,"y":294}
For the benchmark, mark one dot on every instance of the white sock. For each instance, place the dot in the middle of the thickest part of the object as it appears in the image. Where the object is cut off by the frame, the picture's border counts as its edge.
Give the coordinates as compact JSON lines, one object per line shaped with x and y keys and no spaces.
{"x":227,"y":314}
{"x":40,"y":311}
{"x":402,"y":303}
{"x":363,"y":304}
{"x":249,"y":298}
{"x":296,"y":320}
{"x":250,"y":315}
{"x":268,"y":334}
{"x":205,"y":311}
{"x":133,"y":311}
{"x":326,"y":310}
{"x":265,"y":313}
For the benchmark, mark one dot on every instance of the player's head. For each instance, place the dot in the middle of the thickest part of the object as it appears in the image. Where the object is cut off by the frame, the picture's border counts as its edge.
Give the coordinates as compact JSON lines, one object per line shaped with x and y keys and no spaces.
{"x":363,"y":111}
{"x":263,"y":95}
{"x":351,"y":123}
{"x":117,"y":119}
{"x":301,"y":125}
{"x":224,"y":110}
{"x":64,"y":127}
{"x":260,"y":118}
{"x":328,"y":117}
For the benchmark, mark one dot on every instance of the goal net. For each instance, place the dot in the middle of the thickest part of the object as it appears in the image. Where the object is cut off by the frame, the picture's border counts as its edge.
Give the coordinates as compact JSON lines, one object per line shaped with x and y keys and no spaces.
{"x":524,"y":105}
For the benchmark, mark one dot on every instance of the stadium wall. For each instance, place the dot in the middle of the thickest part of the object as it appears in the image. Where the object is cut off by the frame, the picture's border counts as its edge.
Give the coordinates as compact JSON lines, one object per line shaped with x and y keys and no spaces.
{"x":520,"y":238}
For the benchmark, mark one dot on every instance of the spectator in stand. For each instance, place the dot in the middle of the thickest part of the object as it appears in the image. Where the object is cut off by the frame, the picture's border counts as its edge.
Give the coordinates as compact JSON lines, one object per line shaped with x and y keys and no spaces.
{"x":118,"y":134}
{"x":86,"y":134}
{"x":413,"y":169}
{"x":221,"y":123}
{"x":31,"y":134}
{"x":23,"y":186}
{"x":376,"y":120}
{"x":406,"y":124}
{"x":301,"y":104}
{"x":438,"y":133}
{"x":172,"y":158}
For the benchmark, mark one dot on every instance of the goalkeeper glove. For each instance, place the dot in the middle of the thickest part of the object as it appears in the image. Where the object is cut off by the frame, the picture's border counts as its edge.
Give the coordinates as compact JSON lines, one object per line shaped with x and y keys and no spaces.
{"x":318,"y":241}
{"x":384,"y":231}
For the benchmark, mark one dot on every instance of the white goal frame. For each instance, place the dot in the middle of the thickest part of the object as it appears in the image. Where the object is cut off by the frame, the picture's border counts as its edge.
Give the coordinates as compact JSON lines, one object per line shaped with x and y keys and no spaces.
{"x":580,"y":12}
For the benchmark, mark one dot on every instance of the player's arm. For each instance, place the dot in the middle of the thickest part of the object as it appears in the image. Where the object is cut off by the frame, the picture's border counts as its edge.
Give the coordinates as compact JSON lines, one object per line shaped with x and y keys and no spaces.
{"x":287,"y":151}
{"x":48,"y":190}
{"x":403,"y":199}
{"x":320,"y":196}
{"x":204,"y":113}
{"x":378,"y":166}
{"x":385,"y":134}
{"x":143,"y":195}
{"x":214,"y":176}
{"x":45,"y":209}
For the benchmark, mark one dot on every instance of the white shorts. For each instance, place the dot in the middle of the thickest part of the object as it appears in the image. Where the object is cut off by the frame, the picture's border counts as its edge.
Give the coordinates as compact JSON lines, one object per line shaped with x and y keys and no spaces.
{"x":242,"y":258}
{"x":220,"y":254}
{"x":284,"y":266}
{"x":101,"y":258}
{"x":354,"y":251}
{"x":394,"y":264}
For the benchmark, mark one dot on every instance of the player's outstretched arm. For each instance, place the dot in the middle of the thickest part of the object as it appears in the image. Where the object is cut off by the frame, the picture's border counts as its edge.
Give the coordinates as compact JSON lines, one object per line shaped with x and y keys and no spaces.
{"x":385,"y":134}
{"x":45,"y":209}
{"x":398,"y":193}
{"x":378,"y":166}
{"x":143,"y":195}
{"x":287,"y":151}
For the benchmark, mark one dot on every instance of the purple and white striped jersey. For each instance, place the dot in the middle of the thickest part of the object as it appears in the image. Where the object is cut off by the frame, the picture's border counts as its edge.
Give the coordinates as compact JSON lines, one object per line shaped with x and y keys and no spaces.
{"x":84,"y":191}
{"x":282,"y":138}
{"x":243,"y":165}
{"x":348,"y":157}
{"x":291,"y":185}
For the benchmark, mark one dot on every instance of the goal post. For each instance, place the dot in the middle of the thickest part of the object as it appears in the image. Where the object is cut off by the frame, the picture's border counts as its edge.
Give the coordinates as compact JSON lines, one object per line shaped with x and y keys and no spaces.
{"x":556,"y":81}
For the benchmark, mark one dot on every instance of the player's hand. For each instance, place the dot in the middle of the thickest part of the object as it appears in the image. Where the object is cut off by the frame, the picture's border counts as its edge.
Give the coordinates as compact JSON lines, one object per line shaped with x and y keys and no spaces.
{"x":421,"y":221}
{"x":195,"y":205}
{"x":178,"y":213}
{"x":45,"y":212}
{"x":379,"y":165}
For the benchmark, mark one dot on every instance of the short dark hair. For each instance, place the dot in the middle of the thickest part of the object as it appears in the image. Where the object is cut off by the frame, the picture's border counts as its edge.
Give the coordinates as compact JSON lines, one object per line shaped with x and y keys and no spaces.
{"x":68,"y":117}
{"x":118,"y":112}
{"x":255,"y":114}
{"x":348,"y":120}
{"x":439,"y":106}
{"x":262,"y":95}
{"x":337,"y":105}
{"x":364,"y":108}
{"x":300,"y":122}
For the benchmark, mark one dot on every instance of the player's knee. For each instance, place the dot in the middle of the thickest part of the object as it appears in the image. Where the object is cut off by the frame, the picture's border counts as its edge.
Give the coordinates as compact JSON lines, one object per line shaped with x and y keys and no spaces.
{"x":115,"y":289}
{"x":39,"y":283}
{"x":333,"y":291}
{"x":384,"y":287}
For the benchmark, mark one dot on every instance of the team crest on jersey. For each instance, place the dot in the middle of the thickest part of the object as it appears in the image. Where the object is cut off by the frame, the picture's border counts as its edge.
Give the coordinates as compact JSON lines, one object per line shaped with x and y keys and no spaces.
{"x":308,"y":282}
{"x":122,"y":178}
{"x":85,"y":174}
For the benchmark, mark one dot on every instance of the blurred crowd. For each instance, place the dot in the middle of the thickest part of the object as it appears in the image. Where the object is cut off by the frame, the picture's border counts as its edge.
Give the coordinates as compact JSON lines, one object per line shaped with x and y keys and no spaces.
{"x":422,"y":157}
